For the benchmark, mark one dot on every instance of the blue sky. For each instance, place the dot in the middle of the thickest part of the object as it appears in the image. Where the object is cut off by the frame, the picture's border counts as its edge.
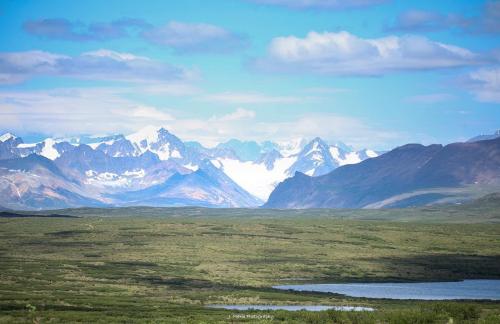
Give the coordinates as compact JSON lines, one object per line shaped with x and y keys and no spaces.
{"x":371,"y":73}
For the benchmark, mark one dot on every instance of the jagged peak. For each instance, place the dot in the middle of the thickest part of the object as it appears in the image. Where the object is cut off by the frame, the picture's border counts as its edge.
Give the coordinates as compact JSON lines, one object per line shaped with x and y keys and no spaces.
{"x":7,"y":136}
{"x":317,"y":144}
{"x":148,"y":133}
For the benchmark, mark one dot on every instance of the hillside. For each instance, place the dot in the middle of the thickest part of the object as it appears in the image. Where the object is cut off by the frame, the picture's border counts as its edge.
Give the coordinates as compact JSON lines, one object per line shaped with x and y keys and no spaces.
{"x":409,"y":175}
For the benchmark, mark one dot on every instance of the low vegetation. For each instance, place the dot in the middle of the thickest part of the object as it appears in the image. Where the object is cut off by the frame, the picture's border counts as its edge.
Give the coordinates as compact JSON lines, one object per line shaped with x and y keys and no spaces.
{"x":167,"y":264}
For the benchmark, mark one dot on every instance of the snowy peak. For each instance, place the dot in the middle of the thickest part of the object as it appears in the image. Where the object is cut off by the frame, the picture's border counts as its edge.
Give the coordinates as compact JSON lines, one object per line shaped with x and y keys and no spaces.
{"x":159,"y":141}
{"x":367,"y":154}
{"x":344,"y":147}
{"x":8,"y":146}
{"x":318,"y":158}
{"x":316,"y":145}
{"x":484,"y":137}
{"x":148,"y":134}
{"x":318,"y":152}
{"x":234,"y":173}
{"x":48,"y":149}
{"x":314,"y":159}
{"x":118,"y":147}
{"x":7,"y":136}
{"x":292,"y":147}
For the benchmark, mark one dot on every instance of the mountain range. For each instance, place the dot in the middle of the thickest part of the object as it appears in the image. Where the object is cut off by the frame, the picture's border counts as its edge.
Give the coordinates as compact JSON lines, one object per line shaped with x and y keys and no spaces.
{"x":409,"y":175}
{"x":154,"y":167}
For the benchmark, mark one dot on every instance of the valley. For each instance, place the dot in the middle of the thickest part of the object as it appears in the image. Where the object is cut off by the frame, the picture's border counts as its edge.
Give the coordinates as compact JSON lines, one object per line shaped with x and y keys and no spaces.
{"x":250,"y":161}
{"x":166,"y":264}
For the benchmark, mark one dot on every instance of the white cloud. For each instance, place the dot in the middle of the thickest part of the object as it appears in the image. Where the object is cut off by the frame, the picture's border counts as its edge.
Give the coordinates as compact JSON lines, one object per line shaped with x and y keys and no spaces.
{"x":63,"y":29}
{"x":70,"y":112}
{"x":328,"y":126}
{"x":485,"y":84}
{"x":74,"y":111}
{"x":194,"y":37}
{"x":115,"y":56}
{"x":331,"y":127}
{"x":238,"y":114}
{"x":150,"y":113}
{"x":102,"y":64}
{"x":343,"y":53}
{"x":179,"y":36}
{"x":249,"y":98}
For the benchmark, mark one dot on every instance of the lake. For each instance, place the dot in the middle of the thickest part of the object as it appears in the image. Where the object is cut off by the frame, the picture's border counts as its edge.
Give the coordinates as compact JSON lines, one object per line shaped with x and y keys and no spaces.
{"x":467,"y":289}
{"x":312,"y":308}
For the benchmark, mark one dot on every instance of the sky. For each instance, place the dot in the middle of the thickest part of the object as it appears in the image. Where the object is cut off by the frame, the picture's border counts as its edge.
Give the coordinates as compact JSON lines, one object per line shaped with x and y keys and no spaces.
{"x":370,"y":73}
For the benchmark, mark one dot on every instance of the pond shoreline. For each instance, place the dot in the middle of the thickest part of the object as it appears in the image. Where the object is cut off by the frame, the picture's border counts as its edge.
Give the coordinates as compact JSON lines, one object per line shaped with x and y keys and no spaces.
{"x":470,"y":289}
{"x":293,"y":308}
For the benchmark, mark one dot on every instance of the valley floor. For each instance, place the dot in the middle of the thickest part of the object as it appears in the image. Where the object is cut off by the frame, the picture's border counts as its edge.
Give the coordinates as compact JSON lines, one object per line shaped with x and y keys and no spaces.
{"x":165,"y":268}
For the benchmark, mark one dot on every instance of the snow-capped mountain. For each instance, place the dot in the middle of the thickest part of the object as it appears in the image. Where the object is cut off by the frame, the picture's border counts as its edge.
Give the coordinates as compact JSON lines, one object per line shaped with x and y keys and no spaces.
{"x":259,"y":179}
{"x":7,"y":137}
{"x":9,"y":146}
{"x":315,"y":158}
{"x":159,"y":141}
{"x":484,"y":137}
{"x":409,"y":175}
{"x":155,"y":167}
{"x":291,"y":147}
{"x":117,"y":147}
{"x":206,"y":187}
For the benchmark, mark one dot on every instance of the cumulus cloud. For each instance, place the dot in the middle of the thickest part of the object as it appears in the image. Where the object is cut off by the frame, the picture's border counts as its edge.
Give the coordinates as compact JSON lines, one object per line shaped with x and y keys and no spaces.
{"x":249,"y":98}
{"x":179,"y":36}
{"x":321,"y":4}
{"x":343,"y":53}
{"x":484,"y":84}
{"x":195,"y":37}
{"x":103,"y":64}
{"x":63,"y":29}
{"x":488,"y":22}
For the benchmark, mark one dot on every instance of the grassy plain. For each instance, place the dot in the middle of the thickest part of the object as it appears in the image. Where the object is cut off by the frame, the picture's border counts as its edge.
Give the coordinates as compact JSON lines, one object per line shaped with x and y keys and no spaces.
{"x":164,"y":265}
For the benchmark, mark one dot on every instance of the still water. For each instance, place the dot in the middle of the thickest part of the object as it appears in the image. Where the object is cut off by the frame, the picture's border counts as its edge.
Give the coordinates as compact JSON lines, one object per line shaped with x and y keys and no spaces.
{"x":467,"y":289}
{"x":313,"y":308}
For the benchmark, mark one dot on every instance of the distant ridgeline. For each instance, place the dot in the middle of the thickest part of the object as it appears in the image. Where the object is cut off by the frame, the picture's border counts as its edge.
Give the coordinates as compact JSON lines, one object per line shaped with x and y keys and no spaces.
{"x":410,"y":175}
{"x":153,"y":167}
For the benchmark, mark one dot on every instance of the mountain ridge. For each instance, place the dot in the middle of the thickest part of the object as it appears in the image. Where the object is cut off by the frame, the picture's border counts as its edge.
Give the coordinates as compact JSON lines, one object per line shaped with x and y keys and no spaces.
{"x":107,"y":169}
{"x":402,"y":170}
